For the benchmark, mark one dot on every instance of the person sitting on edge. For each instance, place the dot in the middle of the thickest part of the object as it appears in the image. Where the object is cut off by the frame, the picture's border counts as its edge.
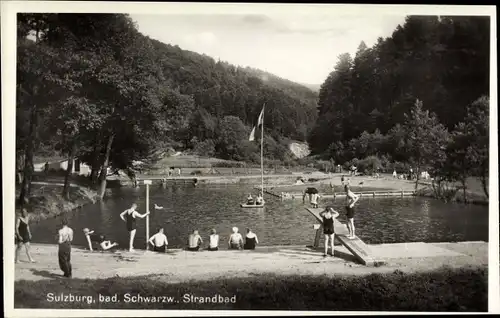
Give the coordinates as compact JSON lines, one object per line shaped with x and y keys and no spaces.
{"x":195,"y":241}
{"x":259,"y":200}
{"x":99,"y":239}
{"x":235,"y":240}
{"x":314,"y":200}
{"x":250,"y":200}
{"x":250,"y":240}
{"x":159,"y":241}
{"x":213,"y":241}
{"x":328,"y":229}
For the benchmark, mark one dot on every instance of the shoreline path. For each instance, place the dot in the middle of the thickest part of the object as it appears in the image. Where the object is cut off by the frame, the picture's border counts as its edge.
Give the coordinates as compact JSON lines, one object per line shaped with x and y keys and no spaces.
{"x":179,"y":265}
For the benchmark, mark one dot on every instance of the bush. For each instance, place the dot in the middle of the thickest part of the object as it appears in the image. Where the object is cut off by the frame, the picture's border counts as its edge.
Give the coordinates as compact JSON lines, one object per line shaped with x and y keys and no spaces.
{"x":369,"y":165}
{"x":229,"y":164}
{"x":205,"y":148}
{"x":196,"y":172}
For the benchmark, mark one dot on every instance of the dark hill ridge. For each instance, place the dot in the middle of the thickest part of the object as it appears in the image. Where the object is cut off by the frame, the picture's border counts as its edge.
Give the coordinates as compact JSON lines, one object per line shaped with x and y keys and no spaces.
{"x":223,"y":89}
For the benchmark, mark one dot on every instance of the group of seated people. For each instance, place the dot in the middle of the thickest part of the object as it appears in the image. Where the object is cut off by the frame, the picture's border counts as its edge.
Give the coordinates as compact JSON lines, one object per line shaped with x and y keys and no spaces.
{"x":235,"y":241}
{"x":159,"y":242}
{"x":259,"y":200}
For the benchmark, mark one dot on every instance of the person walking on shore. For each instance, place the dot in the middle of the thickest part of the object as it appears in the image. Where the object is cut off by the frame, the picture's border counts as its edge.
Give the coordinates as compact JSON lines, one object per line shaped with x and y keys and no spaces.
{"x":65,"y":238}
{"x":328,"y":229}
{"x":130,"y":216}
{"x":23,"y":235}
{"x":351,"y":199}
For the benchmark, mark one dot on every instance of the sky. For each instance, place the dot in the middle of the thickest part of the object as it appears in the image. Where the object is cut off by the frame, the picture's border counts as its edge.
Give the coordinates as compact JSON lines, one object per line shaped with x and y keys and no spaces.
{"x":302,"y":48}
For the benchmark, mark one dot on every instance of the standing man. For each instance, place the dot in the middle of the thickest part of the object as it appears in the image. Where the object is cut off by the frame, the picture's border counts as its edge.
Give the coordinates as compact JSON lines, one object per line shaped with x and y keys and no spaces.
{"x":130,"y":216}
{"x":351,"y":199}
{"x":65,"y":238}
{"x":312,"y":199}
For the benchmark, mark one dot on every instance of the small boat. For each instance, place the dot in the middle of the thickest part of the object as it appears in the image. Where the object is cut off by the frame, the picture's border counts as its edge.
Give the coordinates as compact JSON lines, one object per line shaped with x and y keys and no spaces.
{"x":244,"y":205}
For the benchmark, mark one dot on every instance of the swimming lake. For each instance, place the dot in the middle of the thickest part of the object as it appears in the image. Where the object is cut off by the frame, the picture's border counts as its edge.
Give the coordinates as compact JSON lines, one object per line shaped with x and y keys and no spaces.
{"x":186,"y":208}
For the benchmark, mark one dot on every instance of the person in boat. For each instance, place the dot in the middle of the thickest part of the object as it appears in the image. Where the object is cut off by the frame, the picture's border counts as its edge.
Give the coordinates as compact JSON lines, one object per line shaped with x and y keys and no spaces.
{"x":251,"y":240}
{"x":99,"y":239}
{"x":213,"y":244}
{"x":351,"y":200}
{"x":23,"y":235}
{"x":235,"y":240}
{"x":130,"y":216}
{"x":259,"y":200}
{"x":195,"y":241}
{"x":195,"y":182}
{"x":159,"y":241}
{"x":250,"y":200}
{"x":328,"y":229}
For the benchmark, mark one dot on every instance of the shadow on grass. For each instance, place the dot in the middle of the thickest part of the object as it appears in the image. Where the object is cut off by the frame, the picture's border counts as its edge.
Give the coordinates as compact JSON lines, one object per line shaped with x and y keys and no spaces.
{"x":46,"y":274}
{"x":441,"y":290}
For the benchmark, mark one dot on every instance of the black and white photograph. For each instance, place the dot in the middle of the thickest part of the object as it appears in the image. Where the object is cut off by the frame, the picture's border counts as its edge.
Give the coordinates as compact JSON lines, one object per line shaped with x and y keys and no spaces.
{"x":210,"y":158}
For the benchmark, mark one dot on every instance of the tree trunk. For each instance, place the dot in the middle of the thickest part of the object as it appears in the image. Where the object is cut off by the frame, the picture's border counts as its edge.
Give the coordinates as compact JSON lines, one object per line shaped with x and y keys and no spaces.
{"x":464,"y":189}
{"x":69,"y":170}
{"x":418,"y":176}
{"x":484,"y":178}
{"x":104,"y":168}
{"x":94,"y":173}
{"x":28,"y":157}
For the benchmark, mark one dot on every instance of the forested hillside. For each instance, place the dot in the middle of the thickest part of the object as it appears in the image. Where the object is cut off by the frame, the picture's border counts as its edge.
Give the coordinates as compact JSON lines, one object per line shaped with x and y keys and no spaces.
{"x":91,"y":86}
{"x":442,"y":61}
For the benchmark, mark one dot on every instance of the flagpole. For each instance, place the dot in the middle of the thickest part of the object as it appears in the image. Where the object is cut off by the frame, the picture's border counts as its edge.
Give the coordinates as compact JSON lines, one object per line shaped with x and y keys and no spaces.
{"x":262,"y":155}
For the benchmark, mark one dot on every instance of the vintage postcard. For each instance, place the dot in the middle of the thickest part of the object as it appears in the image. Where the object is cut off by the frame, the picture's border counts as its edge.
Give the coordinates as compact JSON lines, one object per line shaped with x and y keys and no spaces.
{"x":212,"y":159}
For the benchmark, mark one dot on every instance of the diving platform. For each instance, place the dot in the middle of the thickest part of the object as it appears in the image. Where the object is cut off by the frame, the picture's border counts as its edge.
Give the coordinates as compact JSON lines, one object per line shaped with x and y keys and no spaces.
{"x":356,"y":246}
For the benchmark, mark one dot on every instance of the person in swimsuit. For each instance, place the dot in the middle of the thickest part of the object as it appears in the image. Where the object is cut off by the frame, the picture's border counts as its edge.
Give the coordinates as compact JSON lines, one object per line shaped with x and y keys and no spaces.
{"x":159,"y":241}
{"x":250,"y":240}
{"x":328,"y":229}
{"x":195,"y":241}
{"x":129,"y":216}
{"x":235,"y":240}
{"x":213,"y":241}
{"x":23,"y":235}
{"x":259,"y":200}
{"x":99,"y":239}
{"x":351,"y":199}
{"x":65,"y":237}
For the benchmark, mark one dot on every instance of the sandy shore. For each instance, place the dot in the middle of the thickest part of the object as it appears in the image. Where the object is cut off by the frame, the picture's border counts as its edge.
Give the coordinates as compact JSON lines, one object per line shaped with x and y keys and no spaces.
{"x":179,"y":265}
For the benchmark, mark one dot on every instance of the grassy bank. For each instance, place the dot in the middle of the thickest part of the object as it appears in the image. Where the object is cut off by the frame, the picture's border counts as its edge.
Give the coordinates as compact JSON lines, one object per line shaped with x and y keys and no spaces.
{"x":446,"y":289}
{"x":47,"y":201}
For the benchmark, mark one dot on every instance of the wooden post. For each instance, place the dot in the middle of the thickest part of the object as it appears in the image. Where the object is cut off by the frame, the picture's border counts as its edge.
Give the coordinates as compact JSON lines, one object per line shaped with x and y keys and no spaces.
{"x":147,"y":183}
{"x":317,"y":227}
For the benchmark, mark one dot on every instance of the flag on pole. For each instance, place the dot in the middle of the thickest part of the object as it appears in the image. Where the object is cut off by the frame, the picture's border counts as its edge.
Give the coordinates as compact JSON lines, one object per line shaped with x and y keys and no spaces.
{"x":252,"y":135}
{"x":259,"y":122}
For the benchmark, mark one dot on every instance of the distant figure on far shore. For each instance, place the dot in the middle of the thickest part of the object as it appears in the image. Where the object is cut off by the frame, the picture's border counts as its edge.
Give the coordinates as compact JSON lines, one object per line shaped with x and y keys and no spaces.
{"x":178,"y":172}
{"x":195,"y":241}
{"x":251,"y":240}
{"x":394,"y":174}
{"x":235,"y":240}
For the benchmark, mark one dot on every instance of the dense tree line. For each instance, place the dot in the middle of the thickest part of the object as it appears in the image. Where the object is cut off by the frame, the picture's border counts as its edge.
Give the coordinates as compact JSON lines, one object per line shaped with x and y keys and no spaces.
{"x":415,"y":99}
{"x":91,"y":86}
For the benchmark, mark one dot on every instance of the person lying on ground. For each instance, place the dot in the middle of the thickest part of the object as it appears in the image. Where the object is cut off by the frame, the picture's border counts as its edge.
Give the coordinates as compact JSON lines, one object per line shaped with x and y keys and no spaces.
{"x":99,"y":239}
{"x":159,"y":241}
{"x":235,"y":240}
{"x":195,"y":241}
{"x":251,"y":240}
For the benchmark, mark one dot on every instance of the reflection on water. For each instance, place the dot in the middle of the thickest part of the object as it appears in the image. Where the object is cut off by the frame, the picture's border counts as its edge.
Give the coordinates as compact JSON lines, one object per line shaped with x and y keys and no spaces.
{"x":377,"y":220}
